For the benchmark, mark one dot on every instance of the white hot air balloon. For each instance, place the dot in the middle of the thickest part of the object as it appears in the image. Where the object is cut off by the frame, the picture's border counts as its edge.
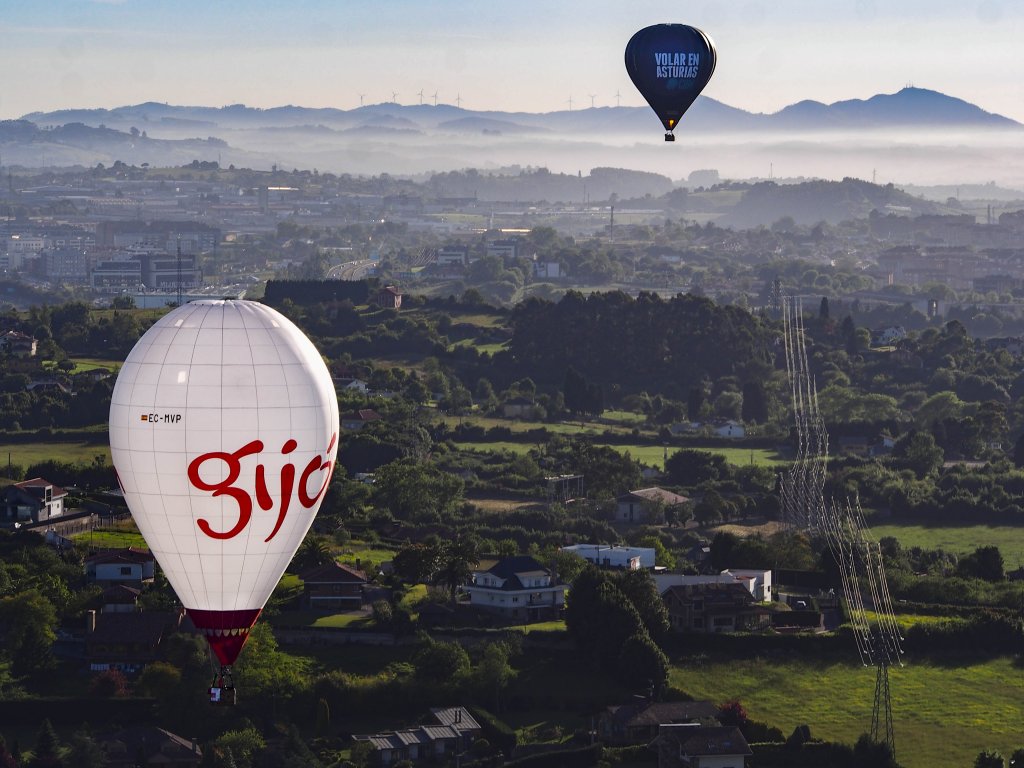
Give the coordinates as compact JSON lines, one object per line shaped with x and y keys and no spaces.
{"x":223,"y":432}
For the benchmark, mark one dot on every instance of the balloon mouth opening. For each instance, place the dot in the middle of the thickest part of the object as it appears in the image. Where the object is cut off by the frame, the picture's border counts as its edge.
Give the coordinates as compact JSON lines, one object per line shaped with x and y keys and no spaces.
{"x":225,"y":631}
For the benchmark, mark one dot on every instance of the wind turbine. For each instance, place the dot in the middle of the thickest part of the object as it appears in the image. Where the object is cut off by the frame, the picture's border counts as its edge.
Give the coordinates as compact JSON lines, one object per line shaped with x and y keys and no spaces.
{"x":570,"y":103}
{"x":394,"y":97}
{"x":361,"y":97}
{"x":435,"y":98}
{"x":420,"y":94}
{"x":592,"y":97}
{"x":458,"y":100}
{"x":618,"y":96}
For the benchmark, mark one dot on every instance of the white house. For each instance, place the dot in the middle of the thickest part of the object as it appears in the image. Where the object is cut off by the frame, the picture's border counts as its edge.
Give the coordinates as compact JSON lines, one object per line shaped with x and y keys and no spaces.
{"x":628,"y":558}
{"x":131,"y":565}
{"x":31,"y":501}
{"x":517,"y":588}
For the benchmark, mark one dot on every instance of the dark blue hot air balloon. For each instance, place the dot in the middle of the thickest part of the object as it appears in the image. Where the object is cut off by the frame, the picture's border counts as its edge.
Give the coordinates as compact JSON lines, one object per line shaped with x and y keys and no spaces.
{"x":670,"y":64}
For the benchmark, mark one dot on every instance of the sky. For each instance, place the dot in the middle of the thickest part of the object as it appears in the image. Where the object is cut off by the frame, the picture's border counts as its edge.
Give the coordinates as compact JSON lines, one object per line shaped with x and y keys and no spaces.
{"x":529,"y":55}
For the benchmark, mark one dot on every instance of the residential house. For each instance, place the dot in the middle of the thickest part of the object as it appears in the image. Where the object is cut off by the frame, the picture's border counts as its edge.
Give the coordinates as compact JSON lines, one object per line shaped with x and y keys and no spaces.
{"x":131,"y":566}
{"x":714,"y":608}
{"x":31,"y":501}
{"x":18,"y":344}
{"x":517,"y":588}
{"x":451,"y":732}
{"x":757,"y":582}
{"x":608,"y":556}
{"x":883,"y":337}
{"x":145,"y":746}
{"x":517,"y":408}
{"x":389,"y":297}
{"x":638,"y":722}
{"x":120,"y":598}
{"x":701,"y":746}
{"x":637,"y":506}
{"x":353,"y":421}
{"x":350,"y":385}
{"x":333,"y":587}
{"x":127,"y":641}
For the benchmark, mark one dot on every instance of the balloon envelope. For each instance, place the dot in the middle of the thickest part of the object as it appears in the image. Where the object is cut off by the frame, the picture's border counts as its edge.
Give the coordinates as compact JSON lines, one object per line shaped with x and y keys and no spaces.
{"x":223,"y":434}
{"x":670,"y":64}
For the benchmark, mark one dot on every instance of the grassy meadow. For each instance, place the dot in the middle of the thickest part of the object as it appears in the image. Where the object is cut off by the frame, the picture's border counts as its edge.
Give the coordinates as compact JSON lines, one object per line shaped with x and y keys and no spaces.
{"x":943,"y":714}
{"x":78,"y":452}
{"x":960,"y":539}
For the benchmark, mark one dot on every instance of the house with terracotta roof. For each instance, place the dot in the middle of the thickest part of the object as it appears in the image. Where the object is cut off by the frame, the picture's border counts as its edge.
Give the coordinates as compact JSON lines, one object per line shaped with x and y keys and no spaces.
{"x":18,"y":344}
{"x":640,"y":505}
{"x":389,"y":297}
{"x":31,"y":501}
{"x":517,"y":588}
{"x":353,"y":421}
{"x":333,"y":587}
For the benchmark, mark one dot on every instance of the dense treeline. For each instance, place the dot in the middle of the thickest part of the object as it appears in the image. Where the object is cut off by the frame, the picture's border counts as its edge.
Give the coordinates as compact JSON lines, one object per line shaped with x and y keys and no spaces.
{"x":647,"y":343}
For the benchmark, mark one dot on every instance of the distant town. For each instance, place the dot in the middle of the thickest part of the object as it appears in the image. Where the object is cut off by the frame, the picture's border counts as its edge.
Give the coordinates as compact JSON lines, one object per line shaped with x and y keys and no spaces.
{"x":722,"y":473}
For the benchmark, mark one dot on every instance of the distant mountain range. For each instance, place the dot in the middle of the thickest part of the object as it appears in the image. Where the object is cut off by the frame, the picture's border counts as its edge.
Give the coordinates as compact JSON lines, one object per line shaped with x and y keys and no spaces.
{"x":910,"y":107}
{"x":412,"y":139}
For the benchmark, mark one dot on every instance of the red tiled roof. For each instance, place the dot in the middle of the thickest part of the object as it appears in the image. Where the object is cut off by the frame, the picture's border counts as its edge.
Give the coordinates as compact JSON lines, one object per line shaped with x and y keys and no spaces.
{"x":38,"y":482}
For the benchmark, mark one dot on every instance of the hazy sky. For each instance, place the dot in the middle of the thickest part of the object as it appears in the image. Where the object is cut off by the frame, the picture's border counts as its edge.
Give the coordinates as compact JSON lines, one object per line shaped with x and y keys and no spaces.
{"x":530,"y":55}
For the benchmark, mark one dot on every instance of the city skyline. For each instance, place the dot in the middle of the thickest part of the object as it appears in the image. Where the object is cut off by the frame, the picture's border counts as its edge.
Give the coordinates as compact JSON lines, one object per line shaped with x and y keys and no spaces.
{"x":79,"y":54}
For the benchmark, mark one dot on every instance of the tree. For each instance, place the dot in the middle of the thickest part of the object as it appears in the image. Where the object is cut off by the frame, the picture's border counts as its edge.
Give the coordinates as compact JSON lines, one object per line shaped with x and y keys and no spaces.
{"x":243,"y":745}
{"x":694,"y":402}
{"x":315,"y":550}
{"x":439,"y":662}
{"x":755,"y":402}
{"x":418,"y":563}
{"x":984,"y":563}
{"x":989,"y":759}
{"x":823,"y":311}
{"x":641,"y":590}
{"x":689,"y":466}
{"x":108,"y":684}
{"x":46,"y":753}
{"x":868,"y":753}
{"x":458,"y":556}
{"x":416,"y":491}
{"x":84,"y":752}
{"x":918,"y":451}
{"x":323,"y":718}
{"x":640,"y":659}
{"x":494,"y":672}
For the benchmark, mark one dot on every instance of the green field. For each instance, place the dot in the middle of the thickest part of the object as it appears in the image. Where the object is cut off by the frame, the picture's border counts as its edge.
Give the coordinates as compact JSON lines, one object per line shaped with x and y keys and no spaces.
{"x":27,"y":454}
{"x":110,"y":539}
{"x":944,"y":715}
{"x":960,"y":539}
